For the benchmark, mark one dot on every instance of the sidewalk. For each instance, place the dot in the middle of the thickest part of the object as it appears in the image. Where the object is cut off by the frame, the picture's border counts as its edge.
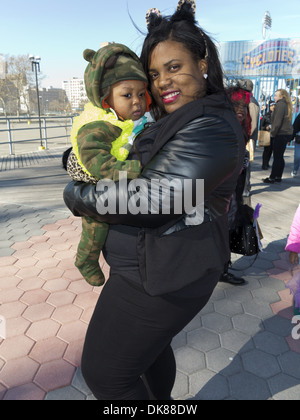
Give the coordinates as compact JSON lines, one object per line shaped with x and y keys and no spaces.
{"x":239,"y":347}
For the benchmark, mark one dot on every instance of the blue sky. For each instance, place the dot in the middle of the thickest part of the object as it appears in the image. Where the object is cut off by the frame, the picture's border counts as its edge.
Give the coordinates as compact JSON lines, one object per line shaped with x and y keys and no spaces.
{"x":59,"y":30}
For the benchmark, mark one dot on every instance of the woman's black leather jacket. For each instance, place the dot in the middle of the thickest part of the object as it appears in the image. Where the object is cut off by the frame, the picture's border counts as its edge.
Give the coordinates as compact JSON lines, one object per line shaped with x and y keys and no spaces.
{"x":202,"y":140}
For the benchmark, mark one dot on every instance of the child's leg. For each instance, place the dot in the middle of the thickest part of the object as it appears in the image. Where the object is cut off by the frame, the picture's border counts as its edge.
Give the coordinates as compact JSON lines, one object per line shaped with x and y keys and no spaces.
{"x":88,"y":253}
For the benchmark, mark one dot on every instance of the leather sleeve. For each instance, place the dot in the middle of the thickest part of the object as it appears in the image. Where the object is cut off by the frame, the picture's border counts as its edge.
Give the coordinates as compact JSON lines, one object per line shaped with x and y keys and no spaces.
{"x":207,"y":148}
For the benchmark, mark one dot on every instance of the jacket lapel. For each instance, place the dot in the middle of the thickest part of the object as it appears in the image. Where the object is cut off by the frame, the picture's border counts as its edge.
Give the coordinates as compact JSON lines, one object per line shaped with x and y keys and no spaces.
{"x":178,"y":119}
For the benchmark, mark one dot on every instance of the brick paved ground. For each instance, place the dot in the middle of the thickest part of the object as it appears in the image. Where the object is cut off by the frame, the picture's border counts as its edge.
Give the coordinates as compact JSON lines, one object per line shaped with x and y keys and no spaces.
{"x":239,"y":347}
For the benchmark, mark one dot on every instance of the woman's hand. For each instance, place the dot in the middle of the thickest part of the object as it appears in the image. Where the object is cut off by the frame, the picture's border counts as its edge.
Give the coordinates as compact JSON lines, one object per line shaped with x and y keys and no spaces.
{"x":294,"y":258}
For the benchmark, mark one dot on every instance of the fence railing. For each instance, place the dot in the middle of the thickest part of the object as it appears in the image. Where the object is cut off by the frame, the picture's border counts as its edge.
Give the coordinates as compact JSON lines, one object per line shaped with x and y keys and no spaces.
{"x":15,"y":131}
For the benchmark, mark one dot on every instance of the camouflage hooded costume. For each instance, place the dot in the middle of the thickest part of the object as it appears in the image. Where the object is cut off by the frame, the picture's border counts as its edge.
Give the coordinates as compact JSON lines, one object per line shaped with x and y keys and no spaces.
{"x":100,"y":142}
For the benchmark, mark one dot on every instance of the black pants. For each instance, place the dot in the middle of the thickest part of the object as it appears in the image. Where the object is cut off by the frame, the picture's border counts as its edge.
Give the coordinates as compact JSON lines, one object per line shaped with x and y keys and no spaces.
{"x":268,"y":150}
{"x":129,"y":338}
{"x":279,"y":144}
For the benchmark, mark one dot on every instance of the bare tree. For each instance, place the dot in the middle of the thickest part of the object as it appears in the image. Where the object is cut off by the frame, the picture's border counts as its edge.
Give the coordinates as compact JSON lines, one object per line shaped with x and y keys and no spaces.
{"x":21,"y":77}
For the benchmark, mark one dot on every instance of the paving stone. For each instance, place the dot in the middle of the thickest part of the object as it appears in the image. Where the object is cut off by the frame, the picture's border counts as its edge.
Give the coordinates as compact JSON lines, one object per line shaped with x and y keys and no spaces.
{"x":5,"y":242}
{"x":223,"y":361}
{"x":206,"y":385}
{"x":248,"y":324}
{"x":266,"y":295}
{"x":27,"y":392}
{"x":248,"y":387}
{"x":54,"y":375}
{"x":279,"y":326}
{"x":284,"y":388}
{"x":258,"y":309}
{"x":236,"y":341}
{"x":227,"y":307}
{"x":80,"y":384}
{"x":65,"y":394}
{"x":270,"y":343}
{"x":5,"y":252}
{"x":260,"y":364}
{"x":189,"y":360}
{"x":181,"y":386}
{"x":239,"y":347}
{"x":290,"y":364}
{"x":203,"y":340}
{"x":217,"y":322}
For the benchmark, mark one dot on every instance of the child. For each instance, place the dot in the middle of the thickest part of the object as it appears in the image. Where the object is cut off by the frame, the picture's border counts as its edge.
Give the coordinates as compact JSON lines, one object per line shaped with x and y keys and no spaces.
{"x":293,"y":246}
{"x":102,"y":136}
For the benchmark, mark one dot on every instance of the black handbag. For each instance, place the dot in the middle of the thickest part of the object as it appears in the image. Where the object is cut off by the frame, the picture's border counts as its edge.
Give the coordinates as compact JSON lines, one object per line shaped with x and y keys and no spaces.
{"x":297,"y":139}
{"x":243,"y":239}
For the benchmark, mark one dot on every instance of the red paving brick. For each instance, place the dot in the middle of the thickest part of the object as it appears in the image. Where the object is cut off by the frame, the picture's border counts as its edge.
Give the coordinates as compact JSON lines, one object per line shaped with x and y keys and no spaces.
{"x":47,"y":306}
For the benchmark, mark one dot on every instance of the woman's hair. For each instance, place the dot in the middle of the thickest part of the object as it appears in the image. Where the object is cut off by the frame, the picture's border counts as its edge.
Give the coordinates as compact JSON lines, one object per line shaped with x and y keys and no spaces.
{"x":285,"y":95}
{"x":236,"y":94}
{"x":182,"y":27}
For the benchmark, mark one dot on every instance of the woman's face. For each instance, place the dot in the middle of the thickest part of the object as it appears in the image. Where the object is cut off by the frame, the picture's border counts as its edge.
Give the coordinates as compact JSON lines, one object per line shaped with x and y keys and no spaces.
{"x":240,"y":108}
{"x":176,"y":79}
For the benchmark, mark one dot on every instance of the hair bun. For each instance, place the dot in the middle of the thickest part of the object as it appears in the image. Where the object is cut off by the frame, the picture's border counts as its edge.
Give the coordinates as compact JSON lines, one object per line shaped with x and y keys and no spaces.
{"x":188,"y":6}
{"x":186,"y":10}
{"x":153,"y":18}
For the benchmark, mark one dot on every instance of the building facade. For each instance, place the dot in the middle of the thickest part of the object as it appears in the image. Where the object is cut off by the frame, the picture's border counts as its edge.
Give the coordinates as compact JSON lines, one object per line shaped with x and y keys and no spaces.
{"x":271,"y":64}
{"x":76,"y":92}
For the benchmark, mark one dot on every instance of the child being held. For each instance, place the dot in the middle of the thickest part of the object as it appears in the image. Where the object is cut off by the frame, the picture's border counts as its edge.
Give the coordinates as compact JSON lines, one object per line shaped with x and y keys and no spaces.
{"x":103,"y":134}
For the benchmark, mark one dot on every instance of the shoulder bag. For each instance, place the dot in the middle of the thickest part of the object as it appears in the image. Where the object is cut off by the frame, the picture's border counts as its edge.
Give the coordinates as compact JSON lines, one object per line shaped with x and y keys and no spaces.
{"x":245,"y":238}
{"x":264,"y":138}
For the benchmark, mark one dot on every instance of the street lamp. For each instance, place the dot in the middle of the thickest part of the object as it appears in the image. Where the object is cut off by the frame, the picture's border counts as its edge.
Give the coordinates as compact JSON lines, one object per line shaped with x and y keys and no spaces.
{"x":267,"y":23}
{"x":35,"y":64}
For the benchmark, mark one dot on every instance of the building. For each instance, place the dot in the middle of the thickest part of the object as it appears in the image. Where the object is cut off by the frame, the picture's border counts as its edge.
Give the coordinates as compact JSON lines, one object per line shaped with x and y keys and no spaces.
{"x":271,"y":64}
{"x":76,"y":93}
{"x":53,"y":100}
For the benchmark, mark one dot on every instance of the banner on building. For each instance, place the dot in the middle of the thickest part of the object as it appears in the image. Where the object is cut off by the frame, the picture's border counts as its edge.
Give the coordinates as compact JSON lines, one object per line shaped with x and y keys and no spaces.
{"x":277,"y":57}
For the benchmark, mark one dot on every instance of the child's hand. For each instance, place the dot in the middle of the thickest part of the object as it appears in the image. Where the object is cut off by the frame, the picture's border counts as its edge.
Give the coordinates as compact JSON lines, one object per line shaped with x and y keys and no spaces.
{"x":294,"y":258}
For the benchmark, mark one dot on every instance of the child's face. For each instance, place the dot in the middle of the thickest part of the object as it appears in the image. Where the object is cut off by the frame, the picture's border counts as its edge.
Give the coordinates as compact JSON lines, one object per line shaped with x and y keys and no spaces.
{"x":128,"y":99}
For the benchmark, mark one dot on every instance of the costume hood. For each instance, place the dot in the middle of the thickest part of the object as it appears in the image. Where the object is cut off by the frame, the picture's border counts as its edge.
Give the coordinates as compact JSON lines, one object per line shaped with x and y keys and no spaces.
{"x":109,"y":65}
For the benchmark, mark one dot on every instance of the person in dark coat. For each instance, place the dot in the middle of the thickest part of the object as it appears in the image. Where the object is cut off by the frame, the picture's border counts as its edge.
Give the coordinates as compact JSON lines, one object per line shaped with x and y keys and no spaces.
{"x":281,"y":134}
{"x":240,"y":99}
{"x":265,"y":125}
{"x":164,"y":265}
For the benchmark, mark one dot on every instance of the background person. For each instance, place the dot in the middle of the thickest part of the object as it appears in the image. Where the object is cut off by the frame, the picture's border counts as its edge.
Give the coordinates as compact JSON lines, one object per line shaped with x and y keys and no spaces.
{"x":281,"y":133}
{"x":240,"y":99}
{"x":163,"y":270}
{"x":251,"y":145}
{"x":265,"y":125}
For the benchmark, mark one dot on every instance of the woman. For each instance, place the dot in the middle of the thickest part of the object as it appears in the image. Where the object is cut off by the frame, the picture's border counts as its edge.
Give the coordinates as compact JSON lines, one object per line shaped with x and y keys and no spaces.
{"x":281,"y":133}
{"x":266,"y":125}
{"x":240,"y":99}
{"x":163,"y":269}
